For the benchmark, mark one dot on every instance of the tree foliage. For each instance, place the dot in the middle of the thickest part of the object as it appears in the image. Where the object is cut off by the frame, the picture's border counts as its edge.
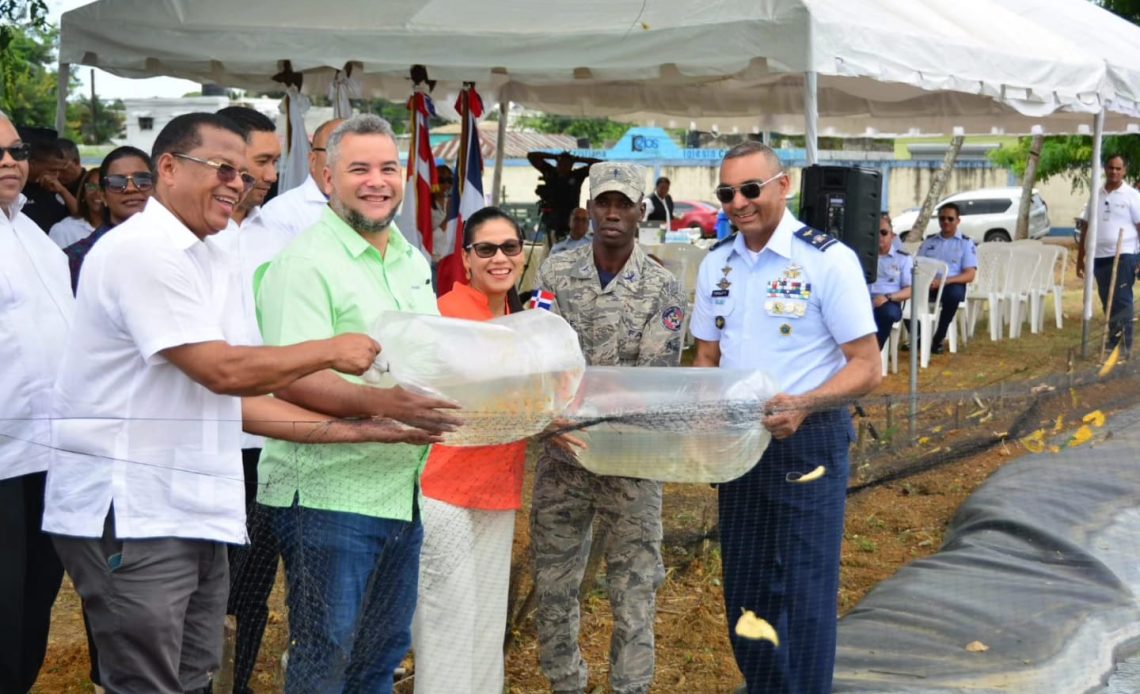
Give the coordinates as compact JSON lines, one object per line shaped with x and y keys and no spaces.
{"x":1069,"y":156}
{"x":601,"y":132}
{"x":1128,"y":9}
{"x":27,"y":83}
{"x":94,"y":126}
{"x":19,"y":14}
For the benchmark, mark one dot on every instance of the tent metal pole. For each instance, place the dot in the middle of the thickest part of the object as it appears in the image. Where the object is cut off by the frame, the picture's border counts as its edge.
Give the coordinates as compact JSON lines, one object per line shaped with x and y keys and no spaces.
{"x":500,"y":149}
{"x":811,"y":117}
{"x":62,"y":80}
{"x":1091,"y":234}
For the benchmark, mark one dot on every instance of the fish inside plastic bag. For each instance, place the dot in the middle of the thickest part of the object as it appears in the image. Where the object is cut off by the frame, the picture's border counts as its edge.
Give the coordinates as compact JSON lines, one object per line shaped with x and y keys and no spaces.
{"x":671,"y":424}
{"x":511,"y":375}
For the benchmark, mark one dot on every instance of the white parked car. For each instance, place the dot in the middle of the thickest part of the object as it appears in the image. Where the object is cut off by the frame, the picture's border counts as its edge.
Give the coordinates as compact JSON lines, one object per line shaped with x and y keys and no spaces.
{"x":988,"y":214}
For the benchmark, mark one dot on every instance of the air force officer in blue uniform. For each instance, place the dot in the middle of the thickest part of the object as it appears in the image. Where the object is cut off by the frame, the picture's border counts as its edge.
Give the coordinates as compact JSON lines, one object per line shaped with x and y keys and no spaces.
{"x":892,"y":282}
{"x":793,"y":302}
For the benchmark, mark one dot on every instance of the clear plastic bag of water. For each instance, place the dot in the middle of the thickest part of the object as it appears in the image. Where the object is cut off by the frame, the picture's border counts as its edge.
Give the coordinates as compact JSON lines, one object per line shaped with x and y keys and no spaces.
{"x":671,"y":424}
{"x":511,"y":375}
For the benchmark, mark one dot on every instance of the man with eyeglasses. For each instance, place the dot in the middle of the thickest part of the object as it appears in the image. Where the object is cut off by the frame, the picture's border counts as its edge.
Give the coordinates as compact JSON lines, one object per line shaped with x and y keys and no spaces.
{"x":284,"y":217}
{"x":892,"y":282}
{"x":960,"y":254}
{"x":35,"y":314}
{"x":347,"y":516}
{"x":1118,"y":205}
{"x":157,"y":381}
{"x":627,"y":311}
{"x":792,"y":301}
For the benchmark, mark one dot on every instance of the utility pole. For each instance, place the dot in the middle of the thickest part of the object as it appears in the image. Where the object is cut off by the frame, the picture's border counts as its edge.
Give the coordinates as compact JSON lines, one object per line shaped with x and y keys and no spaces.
{"x":94,"y":112}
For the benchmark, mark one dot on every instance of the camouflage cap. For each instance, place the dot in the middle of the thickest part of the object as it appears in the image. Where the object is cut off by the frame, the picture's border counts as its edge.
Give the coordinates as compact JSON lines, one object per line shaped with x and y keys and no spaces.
{"x":627,"y":179}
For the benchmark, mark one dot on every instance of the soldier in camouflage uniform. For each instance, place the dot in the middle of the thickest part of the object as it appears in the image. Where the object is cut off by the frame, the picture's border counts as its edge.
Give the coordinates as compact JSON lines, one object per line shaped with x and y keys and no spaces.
{"x":627,"y":311}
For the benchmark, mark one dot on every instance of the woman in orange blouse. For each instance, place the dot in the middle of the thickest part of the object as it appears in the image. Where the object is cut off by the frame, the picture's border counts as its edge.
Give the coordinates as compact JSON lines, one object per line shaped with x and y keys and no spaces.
{"x":470,"y":495}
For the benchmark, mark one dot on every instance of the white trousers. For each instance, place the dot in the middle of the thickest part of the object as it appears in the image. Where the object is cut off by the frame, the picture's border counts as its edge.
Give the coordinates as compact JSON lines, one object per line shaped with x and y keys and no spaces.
{"x":461,"y":612}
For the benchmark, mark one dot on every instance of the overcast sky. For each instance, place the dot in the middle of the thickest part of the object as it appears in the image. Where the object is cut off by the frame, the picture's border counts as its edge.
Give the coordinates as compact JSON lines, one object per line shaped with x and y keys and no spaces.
{"x":108,"y":86}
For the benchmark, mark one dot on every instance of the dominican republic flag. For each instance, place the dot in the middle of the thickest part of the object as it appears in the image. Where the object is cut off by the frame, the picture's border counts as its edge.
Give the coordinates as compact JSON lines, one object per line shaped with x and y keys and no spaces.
{"x":415,"y":215}
{"x":542,"y":299}
{"x":467,"y":196}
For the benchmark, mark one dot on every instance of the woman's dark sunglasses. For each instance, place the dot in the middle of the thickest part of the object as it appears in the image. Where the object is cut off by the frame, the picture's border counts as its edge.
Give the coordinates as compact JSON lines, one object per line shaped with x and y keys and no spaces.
{"x":484,"y":249}
{"x":750,"y":190}
{"x":115,"y":183}
{"x":18,"y":152}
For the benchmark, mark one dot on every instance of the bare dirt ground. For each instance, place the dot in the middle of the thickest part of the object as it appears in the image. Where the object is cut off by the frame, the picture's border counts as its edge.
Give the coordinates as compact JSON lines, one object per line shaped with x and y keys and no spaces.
{"x":888,"y":524}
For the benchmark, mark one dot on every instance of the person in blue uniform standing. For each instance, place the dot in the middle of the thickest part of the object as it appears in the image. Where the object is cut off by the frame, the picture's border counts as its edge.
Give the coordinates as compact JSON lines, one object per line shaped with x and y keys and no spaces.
{"x":961,"y":257}
{"x":892,"y":282}
{"x":792,"y":301}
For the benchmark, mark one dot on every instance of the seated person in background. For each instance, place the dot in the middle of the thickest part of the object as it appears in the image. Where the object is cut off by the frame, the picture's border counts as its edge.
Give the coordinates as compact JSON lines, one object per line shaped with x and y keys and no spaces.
{"x":961,"y":258}
{"x":892,"y":284}
{"x":579,"y":232}
{"x":71,"y":169}
{"x":88,"y":216}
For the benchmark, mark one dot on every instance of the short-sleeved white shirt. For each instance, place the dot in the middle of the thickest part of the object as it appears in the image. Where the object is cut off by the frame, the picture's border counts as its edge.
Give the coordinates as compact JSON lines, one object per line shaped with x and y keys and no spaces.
{"x":131,"y":428}
{"x":69,"y":230}
{"x":247,"y":251}
{"x":785,"y":310}
{"x":282,"y":219}
{"x":1116,"y":210}
{"x":35,"y":312}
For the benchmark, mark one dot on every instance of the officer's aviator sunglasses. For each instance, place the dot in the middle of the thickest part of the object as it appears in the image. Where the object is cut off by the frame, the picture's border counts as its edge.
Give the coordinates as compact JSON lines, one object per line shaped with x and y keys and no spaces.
{"x":226,"y":173}
{"x":750,"y":190}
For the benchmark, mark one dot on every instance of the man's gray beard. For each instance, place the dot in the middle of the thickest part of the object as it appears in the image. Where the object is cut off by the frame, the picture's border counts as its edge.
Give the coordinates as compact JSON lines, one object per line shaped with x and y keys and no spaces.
{"x":359,"y":222}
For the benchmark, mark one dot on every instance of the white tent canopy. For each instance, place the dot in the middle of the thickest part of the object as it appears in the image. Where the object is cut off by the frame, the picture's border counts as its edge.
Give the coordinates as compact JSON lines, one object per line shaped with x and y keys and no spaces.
{"x":881,"y":64}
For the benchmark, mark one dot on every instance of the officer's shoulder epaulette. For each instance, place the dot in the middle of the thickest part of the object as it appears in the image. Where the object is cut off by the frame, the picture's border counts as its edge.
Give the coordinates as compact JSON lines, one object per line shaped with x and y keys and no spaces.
{"x":902,"y":252}
{"x":820,"y":240}
{"x":966,"y":237}
{"x":726,"y":240}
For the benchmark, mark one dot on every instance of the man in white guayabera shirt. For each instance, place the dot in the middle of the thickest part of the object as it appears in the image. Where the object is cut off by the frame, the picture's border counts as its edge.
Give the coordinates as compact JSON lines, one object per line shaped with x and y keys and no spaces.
{"x":145,"y":484}
{"x":35,"y":311}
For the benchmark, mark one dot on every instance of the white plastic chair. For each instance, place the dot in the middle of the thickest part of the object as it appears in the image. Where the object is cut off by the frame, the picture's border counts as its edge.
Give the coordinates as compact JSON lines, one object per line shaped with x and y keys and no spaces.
{"x":985,"y":292}
{"x":928,"y":311}
{"x":1020,"y":275}
{"x":1042,"y":286}
{"x":1060,"y":268}
{"x":684,"y":261}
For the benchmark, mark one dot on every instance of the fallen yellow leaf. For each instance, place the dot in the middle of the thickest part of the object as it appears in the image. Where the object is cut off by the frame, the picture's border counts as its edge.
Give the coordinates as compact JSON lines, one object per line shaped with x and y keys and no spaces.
{"x":936,"y":429}
{"x":1054,"y":448}
{"x":977,"y":647}
{"x":1096,"y":418}
{"x":1060,"y":424}
{"x":1080,"y":436}
{"x":749,"y":626}
{"x":1110,"y":363}
{"x":923,"y":440}
{"x":1035,"y":442}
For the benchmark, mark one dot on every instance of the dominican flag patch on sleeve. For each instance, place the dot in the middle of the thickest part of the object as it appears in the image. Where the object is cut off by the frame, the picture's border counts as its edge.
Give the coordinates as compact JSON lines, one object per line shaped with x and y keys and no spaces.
{"x":542,"y":299}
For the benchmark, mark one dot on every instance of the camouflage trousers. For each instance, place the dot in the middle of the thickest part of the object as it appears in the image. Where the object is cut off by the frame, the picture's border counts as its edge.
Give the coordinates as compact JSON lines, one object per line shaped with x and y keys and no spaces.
{"x":567,"y":498}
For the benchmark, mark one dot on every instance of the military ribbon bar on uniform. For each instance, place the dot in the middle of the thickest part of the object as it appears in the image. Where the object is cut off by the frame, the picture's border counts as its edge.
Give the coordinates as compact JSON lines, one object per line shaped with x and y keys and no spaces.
{"x":542,"y":299}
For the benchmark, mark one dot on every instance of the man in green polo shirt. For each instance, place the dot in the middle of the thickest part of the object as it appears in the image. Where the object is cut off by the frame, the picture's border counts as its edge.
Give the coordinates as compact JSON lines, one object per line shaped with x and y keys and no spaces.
{"x":346,"y":515}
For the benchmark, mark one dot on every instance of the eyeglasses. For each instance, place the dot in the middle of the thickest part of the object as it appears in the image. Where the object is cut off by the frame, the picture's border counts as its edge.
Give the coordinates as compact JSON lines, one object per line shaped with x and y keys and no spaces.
{"x":947,"y":219}
{"x":750,"y":190}
{"x":92,"y":187}
{"x":884,"y":232}
{"x":484,"y":249}
{"x":317,"y":149}
{"x":143,"y":180}
{"x":18,"y":152}
{"x":226,"y":173}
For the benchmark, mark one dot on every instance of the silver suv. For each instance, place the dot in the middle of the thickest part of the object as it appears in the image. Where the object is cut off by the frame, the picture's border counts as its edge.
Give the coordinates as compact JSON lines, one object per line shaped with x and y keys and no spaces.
{"x":988,"y":214}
